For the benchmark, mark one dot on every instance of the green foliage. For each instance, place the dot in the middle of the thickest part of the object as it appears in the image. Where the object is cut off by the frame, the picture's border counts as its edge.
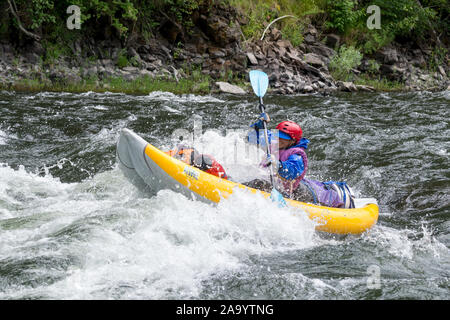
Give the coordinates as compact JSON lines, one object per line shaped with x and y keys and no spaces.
{"x":41,"y":12}
{"x":342,"y":14}
{"x":342,"y":63}
{"x":262,"y":12}
{"x":374,"y":67}
{"x":438,"y":58}
{"x":379,"y":83}
{"x":122,"y":60}
{"x":376,"y":39}
{"x":124,"y":9}
{"x":53,"y":51}
{"x":293,"y":32}
{"x":401,"y":18}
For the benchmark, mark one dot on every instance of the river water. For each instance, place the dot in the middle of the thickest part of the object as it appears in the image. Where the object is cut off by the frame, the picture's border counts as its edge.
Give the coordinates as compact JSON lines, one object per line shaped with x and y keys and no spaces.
{"x":72,"y":226}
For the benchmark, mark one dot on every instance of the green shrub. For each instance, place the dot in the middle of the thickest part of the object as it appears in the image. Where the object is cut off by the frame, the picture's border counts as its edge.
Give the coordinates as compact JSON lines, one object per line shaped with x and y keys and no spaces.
{"x":374,"y":67}
{"x":342,"y":14}
{"x":293,"y":32}
{"x":122,"y":60}
{"x":342,"y":63}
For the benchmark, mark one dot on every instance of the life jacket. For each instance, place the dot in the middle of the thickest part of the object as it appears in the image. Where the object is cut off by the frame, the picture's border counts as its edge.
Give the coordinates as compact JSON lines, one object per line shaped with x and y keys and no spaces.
{"x":331,"y":193}
{"x":204,"y":162}
{"x":290,"y":185}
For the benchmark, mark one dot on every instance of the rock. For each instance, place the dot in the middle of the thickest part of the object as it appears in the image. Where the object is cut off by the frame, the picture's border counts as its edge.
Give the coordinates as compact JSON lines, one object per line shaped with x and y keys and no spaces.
{"x":145,"y":73}
{"x":106,"y":63}
{"x":320,"y":84}
{"x":273,"y":77}
{"x":322,"y":50}
{"x":32,"y":57}
{"x":284,"y":44}
{"x":310,"y":39}
{"x":73,"y":78}
{"x":332,"y":40}
{"x":365,"y":88}
{"x":89,"y":72}
{"x":220,"y":32}
{"x":308,"y":88}
{"x":311,"y":30}
{"x":275,"y":34}
{"x":388,"y":55}
{"x":392,"y":71}
{"x":37,"y":48}
{"x":216,"y":52}
{"x":442,"y":71}
{"x":286,"y":76}
{"x":131,"y":69}
{"x":346,"y":86}
{"x":251,"y":58}
{"x":313,"y":59}
{"x":229,"y":88}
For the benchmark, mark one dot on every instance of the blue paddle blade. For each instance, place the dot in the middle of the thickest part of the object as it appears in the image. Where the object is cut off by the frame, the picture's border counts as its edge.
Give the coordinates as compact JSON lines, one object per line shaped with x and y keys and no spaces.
{"x":277,"y":197}
{"x":259,"y":81}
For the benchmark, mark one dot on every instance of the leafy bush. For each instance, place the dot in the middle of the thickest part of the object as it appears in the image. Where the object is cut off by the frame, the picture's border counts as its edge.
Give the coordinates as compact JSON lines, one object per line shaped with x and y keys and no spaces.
{"x":342,"y":14}
{"x":373,"y":67}
{"x":342,"y":63}
{"x":293,"y":32}
{"x":122,"y":60}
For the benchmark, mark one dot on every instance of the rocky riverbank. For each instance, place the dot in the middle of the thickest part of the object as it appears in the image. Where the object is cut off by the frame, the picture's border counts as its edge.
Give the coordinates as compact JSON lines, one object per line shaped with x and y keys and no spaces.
{"x":215,"y":51}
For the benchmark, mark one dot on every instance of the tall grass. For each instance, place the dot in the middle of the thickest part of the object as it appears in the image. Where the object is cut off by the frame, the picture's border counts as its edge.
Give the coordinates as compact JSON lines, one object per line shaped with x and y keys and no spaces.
{"x":140,"y":85}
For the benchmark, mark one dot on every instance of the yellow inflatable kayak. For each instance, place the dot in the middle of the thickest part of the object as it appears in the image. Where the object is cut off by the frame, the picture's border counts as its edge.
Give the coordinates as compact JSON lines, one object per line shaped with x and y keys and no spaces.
{"x":152,"y":169}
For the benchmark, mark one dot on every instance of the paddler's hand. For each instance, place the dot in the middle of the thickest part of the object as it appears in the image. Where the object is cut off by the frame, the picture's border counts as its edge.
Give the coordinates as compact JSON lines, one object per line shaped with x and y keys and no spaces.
{"x":263,"y":117}
{"x":271,"y":160}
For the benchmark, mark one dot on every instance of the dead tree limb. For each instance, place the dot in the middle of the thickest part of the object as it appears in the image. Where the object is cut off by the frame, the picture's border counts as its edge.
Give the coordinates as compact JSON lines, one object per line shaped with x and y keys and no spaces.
{"x":13,"y":8}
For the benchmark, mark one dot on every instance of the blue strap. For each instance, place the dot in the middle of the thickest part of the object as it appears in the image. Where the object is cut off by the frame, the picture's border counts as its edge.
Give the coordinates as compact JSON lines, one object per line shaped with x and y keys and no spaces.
{"x":310,"y":189}
{"x":344,"y":187}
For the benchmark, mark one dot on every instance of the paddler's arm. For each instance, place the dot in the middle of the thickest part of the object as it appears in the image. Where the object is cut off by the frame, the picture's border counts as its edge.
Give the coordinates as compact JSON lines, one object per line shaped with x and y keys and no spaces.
{"x":256,"y":136}
{"x":291,"y":168}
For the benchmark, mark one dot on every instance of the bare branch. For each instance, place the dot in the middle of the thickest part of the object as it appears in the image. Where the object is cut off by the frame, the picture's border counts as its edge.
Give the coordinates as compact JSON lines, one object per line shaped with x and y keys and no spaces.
{"x":287,"y":16}
{"x":13,"y":8}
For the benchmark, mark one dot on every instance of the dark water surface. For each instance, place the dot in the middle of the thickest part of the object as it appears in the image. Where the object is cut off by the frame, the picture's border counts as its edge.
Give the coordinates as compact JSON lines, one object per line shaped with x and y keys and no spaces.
{"x":72,"y":227}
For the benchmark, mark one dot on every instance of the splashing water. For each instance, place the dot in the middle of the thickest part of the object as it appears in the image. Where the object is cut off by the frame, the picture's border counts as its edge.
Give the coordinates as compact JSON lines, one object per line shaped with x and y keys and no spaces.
{"x":72,"y":226}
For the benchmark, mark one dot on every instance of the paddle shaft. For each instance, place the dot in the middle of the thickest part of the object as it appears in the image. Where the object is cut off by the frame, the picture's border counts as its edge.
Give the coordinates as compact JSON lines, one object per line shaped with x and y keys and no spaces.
{"x":261,"y":108}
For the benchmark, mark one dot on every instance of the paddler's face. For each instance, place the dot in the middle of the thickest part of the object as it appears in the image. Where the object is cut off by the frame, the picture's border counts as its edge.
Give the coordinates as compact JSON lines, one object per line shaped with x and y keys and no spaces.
{"x":283,"y":143}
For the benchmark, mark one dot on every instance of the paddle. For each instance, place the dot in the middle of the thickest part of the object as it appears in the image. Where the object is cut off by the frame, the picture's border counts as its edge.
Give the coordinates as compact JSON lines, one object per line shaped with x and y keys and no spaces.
{"x":260,"y":83}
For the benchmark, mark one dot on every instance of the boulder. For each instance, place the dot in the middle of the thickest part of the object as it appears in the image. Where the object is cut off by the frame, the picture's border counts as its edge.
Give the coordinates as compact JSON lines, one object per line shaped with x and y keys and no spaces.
{"x":310,"y":39}
{"x":364,"y":88}
{"x":322,"y":51}
{"x":251,"y":58}
{"x":313,"y":59}
{"x":311,"y":30}
{"x":346,"y":86}
{"x":388,"y":55}
{"x":332,"y":40}
{"x":284,"y":44}
{"x":216,"y":52}
{"x":229,"y":88}
{"x":32,"y":58}
{"x":393,"y":72}
{"x":275,"y":34}
{"x":308,"y":88}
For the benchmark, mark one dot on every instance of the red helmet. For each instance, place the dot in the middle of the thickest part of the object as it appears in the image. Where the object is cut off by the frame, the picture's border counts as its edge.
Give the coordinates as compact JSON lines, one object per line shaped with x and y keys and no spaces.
{"x":291,"y":129}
